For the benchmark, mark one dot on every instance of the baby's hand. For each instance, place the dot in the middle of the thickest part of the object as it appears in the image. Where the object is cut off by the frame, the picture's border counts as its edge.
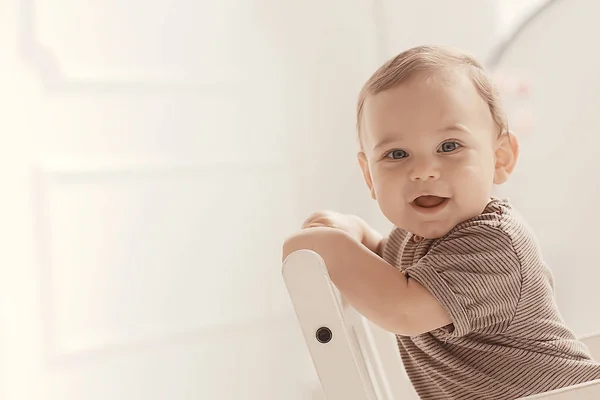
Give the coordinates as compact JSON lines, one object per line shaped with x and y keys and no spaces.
{"x":350,"y":224}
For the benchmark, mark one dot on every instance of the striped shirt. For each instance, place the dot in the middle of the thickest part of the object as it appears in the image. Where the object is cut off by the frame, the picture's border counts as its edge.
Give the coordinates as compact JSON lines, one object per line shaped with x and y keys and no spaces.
{"x":507,"y":338}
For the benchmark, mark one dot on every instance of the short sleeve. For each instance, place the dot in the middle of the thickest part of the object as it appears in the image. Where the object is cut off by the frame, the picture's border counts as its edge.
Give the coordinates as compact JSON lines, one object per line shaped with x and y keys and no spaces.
{"x":475,"y":274}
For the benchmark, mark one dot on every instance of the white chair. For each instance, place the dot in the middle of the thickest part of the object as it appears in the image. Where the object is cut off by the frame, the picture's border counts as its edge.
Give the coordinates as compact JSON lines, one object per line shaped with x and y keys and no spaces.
{"x":347,"y":359}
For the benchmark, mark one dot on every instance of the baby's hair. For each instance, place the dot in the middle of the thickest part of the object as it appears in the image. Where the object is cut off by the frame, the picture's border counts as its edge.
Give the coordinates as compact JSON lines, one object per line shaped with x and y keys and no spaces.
{"x":434,"y":62}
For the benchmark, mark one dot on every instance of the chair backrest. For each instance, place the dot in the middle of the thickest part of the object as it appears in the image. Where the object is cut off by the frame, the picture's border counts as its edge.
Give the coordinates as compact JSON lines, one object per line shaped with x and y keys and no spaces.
{"x":340,"y":340}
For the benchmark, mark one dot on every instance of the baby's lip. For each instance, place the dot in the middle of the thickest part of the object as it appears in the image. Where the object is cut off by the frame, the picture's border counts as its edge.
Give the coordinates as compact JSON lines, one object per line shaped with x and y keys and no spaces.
{"x":428,"y":195}
{"x":429,"y":202}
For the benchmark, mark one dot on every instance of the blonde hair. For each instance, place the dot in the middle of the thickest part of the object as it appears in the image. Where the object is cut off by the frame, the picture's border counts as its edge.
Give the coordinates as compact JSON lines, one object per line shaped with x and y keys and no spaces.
{"x":435,"y":62}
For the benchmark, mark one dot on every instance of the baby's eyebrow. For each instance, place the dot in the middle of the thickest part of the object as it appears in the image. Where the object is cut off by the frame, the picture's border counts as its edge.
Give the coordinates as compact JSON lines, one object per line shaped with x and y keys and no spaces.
{"x":384,"y":142}
{"x":455,"y":128}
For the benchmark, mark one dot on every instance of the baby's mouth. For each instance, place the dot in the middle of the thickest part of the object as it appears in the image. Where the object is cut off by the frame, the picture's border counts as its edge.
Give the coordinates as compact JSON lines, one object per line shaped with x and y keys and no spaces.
{"x":429,"y":201}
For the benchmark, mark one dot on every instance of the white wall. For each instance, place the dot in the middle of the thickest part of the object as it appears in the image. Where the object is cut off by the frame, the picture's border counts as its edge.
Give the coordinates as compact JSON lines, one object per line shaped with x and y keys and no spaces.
{"x":156,"y":154}
{"x":510,"y":12}
{"x":556,"y":182}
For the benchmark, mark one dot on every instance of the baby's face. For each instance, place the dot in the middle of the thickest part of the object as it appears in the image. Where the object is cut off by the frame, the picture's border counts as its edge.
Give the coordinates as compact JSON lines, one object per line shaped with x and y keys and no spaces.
{"x":429,"y":154}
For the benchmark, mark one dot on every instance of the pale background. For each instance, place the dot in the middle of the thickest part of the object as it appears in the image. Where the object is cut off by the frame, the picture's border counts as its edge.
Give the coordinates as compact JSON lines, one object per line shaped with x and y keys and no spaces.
{"x":156,"y":153}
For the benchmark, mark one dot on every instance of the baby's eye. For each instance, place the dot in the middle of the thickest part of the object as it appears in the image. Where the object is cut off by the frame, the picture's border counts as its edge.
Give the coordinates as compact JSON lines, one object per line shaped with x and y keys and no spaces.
{"x":448,"y":147}
{"x":397,"y":154}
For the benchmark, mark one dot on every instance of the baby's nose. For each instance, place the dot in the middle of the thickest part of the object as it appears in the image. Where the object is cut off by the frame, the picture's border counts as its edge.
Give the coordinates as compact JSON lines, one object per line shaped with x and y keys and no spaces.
{"x":425,"y":172}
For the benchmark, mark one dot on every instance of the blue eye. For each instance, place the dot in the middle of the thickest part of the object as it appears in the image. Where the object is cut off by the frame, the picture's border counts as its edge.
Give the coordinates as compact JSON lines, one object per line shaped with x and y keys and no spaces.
{"x":397,"y":154}
{"x":448,"y":147}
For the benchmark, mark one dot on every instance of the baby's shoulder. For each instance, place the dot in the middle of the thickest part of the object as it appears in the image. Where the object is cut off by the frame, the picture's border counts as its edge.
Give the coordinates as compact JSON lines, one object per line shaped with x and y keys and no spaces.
{"x":498,"y":228}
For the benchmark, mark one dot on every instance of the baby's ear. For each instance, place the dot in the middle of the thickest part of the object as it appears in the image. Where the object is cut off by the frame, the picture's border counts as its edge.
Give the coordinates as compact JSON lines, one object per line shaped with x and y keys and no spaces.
{"x":364,"y":166}
{"x":506,"y":155}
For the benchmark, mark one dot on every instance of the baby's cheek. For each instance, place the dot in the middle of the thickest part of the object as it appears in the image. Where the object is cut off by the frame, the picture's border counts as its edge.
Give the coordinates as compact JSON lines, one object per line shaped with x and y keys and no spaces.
{"x":390,"y":193}
{"x":476,"y":177}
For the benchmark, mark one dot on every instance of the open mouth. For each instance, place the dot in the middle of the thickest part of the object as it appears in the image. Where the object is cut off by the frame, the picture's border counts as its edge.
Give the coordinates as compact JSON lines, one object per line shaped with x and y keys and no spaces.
{"x":429,"y":202}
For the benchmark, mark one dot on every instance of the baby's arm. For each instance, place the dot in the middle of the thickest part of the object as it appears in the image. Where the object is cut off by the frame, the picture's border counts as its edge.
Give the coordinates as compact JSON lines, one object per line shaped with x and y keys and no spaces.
{"x":372,"y":286}
{"x":371,"y":238}
{"x":355,"y":226}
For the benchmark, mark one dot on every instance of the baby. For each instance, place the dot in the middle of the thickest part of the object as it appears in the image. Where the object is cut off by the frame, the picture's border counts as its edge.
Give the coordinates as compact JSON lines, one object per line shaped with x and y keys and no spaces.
{"x":460,"y":279}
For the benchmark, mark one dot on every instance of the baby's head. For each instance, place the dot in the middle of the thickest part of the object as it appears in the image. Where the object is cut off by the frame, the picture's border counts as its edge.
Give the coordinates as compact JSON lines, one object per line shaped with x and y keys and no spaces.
{"x":434,"y":139}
